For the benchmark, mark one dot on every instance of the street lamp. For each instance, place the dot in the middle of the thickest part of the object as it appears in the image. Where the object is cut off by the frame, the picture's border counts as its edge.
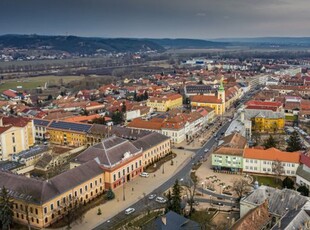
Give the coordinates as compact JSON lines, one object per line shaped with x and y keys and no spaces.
{"x":210,"y":200}
{"x":202,"y":187}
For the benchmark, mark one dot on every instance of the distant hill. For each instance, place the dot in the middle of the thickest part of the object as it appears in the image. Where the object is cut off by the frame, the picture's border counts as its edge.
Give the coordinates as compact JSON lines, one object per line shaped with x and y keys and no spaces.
{"x":73,"y":44}
{"x":281,"y":41}
{"x":188,"y":43}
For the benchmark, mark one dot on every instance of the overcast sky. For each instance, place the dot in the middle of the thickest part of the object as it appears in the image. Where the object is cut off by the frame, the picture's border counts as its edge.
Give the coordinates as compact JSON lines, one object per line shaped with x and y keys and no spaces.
{"x":156,"y":18}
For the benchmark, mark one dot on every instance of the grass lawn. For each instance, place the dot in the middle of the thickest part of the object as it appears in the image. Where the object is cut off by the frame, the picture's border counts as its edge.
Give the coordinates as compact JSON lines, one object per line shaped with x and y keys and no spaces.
{"x":144,"y":220}
{"x":202,"y":217}
{"x":33,"y":82}
{"x":270,"y":181}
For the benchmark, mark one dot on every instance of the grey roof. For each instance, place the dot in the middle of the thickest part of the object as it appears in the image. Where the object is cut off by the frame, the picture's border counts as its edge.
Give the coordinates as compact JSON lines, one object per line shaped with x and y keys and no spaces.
{"x":41,"y":122}
{"x":123,"y":132}
{"x":251,"y":113}
{"x":198,"y":89}
{"x":294,"y":219}
{"x":109,"y":151}
{"x":44,"y":160}
{"x":303,"y":171}
{"x":38,"y":191}
{"x":9,"y":165}
{"x":173,"y":221}
{"x":32,"y":152}
{"x":63,"y":125}
{"x":150,"y":140}
{"x":279,"y":200}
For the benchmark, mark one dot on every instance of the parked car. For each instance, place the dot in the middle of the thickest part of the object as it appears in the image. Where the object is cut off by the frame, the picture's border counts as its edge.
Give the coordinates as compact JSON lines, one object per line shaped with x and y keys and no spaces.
{"x":180,"y":147}
{"x":152,"y":196}
{"x":206,"y":150}
{"x":161,"y":200}
{"x":129,"y":211}
{"x":144,"y":174}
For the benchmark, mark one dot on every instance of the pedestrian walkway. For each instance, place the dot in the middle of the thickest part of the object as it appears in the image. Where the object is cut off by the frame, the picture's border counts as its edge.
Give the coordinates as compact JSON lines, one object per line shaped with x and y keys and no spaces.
{"x":134,"y":191}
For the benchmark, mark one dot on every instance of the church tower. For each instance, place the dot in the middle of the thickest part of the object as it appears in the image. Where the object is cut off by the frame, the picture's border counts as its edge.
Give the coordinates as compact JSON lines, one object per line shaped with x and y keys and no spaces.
{"x":221,"y":95}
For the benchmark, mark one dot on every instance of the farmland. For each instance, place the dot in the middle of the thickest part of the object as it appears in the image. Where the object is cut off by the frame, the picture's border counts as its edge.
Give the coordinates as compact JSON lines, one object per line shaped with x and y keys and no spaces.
{"x":33,"y":82}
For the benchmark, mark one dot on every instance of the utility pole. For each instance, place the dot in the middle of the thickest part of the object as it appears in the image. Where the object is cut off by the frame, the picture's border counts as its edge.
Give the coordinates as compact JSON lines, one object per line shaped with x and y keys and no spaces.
{"x":124,"y":198}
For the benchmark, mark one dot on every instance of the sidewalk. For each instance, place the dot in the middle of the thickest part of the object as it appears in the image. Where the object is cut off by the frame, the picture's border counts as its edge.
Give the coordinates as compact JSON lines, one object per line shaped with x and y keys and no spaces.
{"x":134,"y":191}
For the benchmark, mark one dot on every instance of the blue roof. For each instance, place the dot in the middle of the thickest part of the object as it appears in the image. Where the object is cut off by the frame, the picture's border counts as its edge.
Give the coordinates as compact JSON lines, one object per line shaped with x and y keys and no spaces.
{"x":70,"y":126}
{"x":41,"y":122}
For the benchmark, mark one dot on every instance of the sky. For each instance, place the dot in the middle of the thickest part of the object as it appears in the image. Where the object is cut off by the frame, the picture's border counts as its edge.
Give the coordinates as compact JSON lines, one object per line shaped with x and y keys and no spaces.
{"x":204,"y":19}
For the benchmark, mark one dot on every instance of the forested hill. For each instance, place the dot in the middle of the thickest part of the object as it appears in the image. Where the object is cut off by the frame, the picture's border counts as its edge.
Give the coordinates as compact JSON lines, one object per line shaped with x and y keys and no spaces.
{"x":188,"y":43}
{"x":73,"y":44}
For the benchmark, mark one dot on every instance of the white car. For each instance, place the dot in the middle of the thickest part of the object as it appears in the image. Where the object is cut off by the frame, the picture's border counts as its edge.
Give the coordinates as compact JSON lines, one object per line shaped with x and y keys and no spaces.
{"x":152,"y":196}
{"x":144,"y":174}
{"x":161,"y":200}
{"x":129,"y":211}
{"x":206,"y":150}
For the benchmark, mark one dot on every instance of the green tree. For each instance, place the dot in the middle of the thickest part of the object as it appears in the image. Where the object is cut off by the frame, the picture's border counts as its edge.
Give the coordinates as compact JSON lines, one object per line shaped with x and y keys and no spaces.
{"x":303,"y":190}
{"x":288,"y":183}
{"x":294,"y":143}
{"x":6,"y":209}
{"x":176,"y":198}
{"x":169,"y":201}
{"x":110,"y":194}
{"x":117,"y":117}
{"x":270,"y":143}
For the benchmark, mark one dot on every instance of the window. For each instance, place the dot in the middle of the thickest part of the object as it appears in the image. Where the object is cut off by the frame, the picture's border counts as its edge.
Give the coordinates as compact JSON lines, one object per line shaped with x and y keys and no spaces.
{"x":75,"y":193}
{"x":31,"y":210}
{"x":85,"y":187}
{"x":52,"y":207}
{"x":114,"y":177}
{"x":58,"y":203}
{"x":36,"y":211}
{"x":119,"y":174}
{"x":13,"y":139}
{"x":124,"y":172}
{"x":45,"y":210}
{"x":81,"y":190}
{"x":14,"y":149}
{"x":91,"y":185}
{"x":95,"y":182}
{"x":100,"y":180}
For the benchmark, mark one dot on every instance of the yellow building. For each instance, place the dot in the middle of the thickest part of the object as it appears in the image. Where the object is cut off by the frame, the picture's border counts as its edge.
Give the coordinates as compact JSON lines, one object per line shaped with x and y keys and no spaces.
{"x":215,"y":102}
{"x":265,"y":120}
{"x":48,"y":201}
{"x":16,"y":135}
{"x":265,"y":124}
{"x":67,"y":133}
{"x":163,"y":103}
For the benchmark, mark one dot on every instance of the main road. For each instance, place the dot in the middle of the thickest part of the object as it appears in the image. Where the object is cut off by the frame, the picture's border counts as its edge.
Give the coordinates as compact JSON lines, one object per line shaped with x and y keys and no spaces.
{"x":144,"y":204}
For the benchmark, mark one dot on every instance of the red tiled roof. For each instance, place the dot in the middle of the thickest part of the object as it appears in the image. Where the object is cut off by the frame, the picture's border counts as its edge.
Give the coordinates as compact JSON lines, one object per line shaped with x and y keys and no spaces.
{"x":206,"y":99}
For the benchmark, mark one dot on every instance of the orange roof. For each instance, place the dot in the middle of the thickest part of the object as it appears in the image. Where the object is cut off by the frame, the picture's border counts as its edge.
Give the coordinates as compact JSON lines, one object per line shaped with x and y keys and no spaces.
{"x":271,"y":154}
{"x":206,"y":99}
{"x":82,"y":118}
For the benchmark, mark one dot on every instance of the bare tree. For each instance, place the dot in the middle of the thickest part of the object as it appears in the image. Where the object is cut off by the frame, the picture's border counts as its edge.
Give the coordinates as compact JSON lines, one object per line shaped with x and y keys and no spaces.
{"x":277,"y":169}
{"x":191,"y":187}
{"x":241,"y":187}
{"x":72,"y":213}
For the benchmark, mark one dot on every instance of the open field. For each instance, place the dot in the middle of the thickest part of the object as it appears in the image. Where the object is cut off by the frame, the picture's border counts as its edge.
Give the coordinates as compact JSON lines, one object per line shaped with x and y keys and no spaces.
{"x":33,"y":82}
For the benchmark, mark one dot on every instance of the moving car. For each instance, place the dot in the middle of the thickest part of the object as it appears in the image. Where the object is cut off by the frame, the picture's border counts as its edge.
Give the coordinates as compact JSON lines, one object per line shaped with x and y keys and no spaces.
{"x":129,"y":211}
{"x":144,"y":174}
{"x":152,"y":196}
{"x":206,"y":150}
{"x":161,"y":200}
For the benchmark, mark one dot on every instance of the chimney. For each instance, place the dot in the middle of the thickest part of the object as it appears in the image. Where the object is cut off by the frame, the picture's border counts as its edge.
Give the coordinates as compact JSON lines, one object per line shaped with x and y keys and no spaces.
{"x":164,"y":220}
